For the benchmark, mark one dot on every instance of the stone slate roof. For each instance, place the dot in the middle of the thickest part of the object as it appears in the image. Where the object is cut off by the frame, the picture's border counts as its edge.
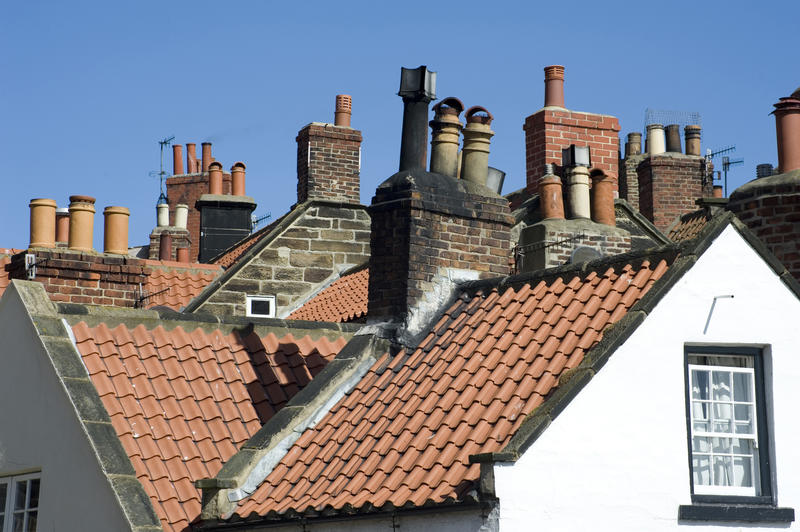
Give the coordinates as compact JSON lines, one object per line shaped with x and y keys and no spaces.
{"x":344,"y":300}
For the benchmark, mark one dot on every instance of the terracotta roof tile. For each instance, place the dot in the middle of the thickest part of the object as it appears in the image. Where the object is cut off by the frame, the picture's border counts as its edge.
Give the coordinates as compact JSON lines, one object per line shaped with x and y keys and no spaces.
{"x":405,"y":432}
{"x":174,"y":284}
{"x":689,"y":225}
{"x":227,"y":259}
{"x":343,"y":300}
{"x":178,"y":414}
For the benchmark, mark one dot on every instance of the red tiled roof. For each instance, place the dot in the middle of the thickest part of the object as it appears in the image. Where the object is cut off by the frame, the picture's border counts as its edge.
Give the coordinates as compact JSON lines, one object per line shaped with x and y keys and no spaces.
{"x":689,"y":226}
{"x":183,"y":402}
{"x":344,"y":300}
{"x":231,"y":256}
{"x":174,"y":284}
{"x":404,"y":433}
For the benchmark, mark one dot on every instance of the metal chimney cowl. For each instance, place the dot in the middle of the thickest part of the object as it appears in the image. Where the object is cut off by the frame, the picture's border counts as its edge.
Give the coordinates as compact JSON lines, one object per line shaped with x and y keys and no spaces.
{"x":417,"y":88}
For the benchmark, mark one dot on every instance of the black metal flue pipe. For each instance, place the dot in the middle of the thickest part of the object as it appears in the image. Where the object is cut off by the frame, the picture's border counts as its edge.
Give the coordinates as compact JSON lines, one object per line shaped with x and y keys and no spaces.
{"x":417,"y":88}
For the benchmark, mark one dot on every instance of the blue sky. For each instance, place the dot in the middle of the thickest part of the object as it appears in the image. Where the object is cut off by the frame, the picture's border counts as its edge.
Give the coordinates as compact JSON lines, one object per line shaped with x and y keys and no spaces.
{"x":88,"y":88}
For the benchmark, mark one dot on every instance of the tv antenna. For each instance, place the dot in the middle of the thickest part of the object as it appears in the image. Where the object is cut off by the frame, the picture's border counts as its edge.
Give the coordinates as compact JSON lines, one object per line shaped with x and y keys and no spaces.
{"x":726,"y":161}
{"x":164,"y":144}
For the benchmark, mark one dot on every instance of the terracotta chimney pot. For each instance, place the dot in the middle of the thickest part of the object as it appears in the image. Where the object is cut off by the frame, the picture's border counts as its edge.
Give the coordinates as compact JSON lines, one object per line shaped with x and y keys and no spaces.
{"x":691,"y":135}
{"x":344,"y":109}
{"x":215,"y":178}
{"x":602,"y":198}
{"x":165,"y":247}
{"x":191,"y":158}
{"x":43,"y":223}
{"x":81,"y":222}
{"x":446,"y":127}
{"x":551,"y":195}
{"x":115,"y":239}
{"x":718,"y":191}
{"x":183,"y":255}
{"x":62,"y":225}
{"x":477,"y":136}
{"x":787,"y":129}
{"x":207,"y":159}
{"x":181,"y":215}
{"x":177,"y":159}
{"x":237,"y":179}
{"x":554,"y":86}
{"x":634,"y":144}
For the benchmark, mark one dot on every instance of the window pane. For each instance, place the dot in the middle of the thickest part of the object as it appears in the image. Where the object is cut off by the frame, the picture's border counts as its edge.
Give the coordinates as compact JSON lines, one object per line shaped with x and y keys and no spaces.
{"x":3,"y":491}
{"x":701,"y":469}
{"x":723,"y":471}
{"x":22,"y":487}
{"x":700,"y":444}
{"x":743,"y":472}
{"x":34,"y":499}
{"x":742,"y":446}
{"x":723,"y":414}
{"x":721,"y":445}
{"x":742,"y":387}
{"x":699,"y":384}
{"x":32,"y":521}
{"x":744,"y":419}
{"x":699,"y":410}
{"x":19,"y":522}
{"x":721,"y":385}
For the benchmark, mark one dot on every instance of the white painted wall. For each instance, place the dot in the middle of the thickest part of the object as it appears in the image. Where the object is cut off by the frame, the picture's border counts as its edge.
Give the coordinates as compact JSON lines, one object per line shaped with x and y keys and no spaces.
{"x":617,"y":458}
{"x":39,"y":429}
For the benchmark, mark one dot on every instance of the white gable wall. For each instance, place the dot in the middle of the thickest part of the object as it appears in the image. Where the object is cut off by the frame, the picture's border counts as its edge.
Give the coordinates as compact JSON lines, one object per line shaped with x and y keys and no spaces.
{"x":617,"y":456}
{"x":40,"y":430}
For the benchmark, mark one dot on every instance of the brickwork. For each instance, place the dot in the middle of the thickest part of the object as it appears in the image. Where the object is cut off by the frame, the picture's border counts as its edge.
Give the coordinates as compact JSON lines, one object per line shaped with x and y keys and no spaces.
{"x":180,"y":239}
{"x":187,"y":189}
{"x":629,"y":179}
{"x":88,"y":278}
{"x":548,"y":131}
{"x":328,"y":160}
{"x":669,"y":184}
{"x":298,"y":259}
{"x":770,"y":207}
{"x":426,"y":226}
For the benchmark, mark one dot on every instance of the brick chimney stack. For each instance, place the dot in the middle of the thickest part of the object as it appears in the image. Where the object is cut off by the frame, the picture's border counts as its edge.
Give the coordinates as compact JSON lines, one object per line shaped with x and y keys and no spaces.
{"x":329,"y":159}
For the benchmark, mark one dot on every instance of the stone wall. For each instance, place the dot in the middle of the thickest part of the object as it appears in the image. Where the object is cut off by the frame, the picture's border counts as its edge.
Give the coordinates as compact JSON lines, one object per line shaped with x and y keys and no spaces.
{"x":669,"y":184}
{"x":629,"y":179}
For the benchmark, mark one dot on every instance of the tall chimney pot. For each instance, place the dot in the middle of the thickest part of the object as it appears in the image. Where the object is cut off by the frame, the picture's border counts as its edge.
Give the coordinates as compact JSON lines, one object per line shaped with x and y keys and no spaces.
{"x":477,"y":136}
{"x":446,"y":127}
{"x":165,"y":247}
{"x":691,"y":134}
{"x":718,"y":191}
{"x":237,"y":178}
{"x":181,"y":215}
{"x":191,"y":158}
{"x":655,"y":139}
{"x":417,"y":88}
{"x":215,"y":178}
{"x":177,"y":159}
{"x":162,"y":214}
{"x":578,"y":192}
{"x":554,"y":86}
{"x":207,"y":158}
{"x":673,"y":133}
{"x":634,"y":144}
{"x":344,"y":109}
{"x":787,"y":129}
{"x":43,"y":223}
{"x":602,"y":198}
{"x":551,"y":195}
{"x":81,"y":222}
{"x":62,"y":225}
{"x":115,"y":238}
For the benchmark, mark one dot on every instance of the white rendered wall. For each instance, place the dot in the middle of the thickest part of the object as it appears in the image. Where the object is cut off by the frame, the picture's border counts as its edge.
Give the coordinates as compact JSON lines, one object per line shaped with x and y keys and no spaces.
{"x":617,"y":456}
{"x":39,"y":430}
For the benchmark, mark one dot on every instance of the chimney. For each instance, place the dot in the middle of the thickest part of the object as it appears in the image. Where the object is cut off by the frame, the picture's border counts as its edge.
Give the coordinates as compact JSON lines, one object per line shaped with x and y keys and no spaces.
{"x":81,"y":222}
{"x":656,"y":143}
{"x":43,"y":223}
{"x":550,"y":195}
{"x":787,"y":129}
{"x":602,"y":198}
{"x":207,"y":158}
{"x":214,"y":176}
{"x":417,"y":88}
{"x":669,"y":184}
{"x":177,"y":159}
{"x":328,"y":163}
{"x":165,"y":247}
{"x":634,"y":144}
{"x":181,"y":215}
{"x":191,"y":158}
{"x":673,"y":133}
{"x":115,"y":237}
{"x":237,"y":179}
{"x":62,"y":225}
{"x":344,"y":108}
{"x":554,"y":86}
{"x":446,"y":127}
{"x":692,"y":136}
{"x":477,"y":136}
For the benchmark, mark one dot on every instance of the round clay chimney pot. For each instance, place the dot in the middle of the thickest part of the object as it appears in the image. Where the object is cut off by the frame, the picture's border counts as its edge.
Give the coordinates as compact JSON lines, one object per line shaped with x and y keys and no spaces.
{"x":115,"y":239}
{"x":43,"y":223}
{"x":81,"y":222}
{"x":344,"y":109}
{"x":237,"y":179}
{"x":215,"y":178}
{"x":554,"y":86}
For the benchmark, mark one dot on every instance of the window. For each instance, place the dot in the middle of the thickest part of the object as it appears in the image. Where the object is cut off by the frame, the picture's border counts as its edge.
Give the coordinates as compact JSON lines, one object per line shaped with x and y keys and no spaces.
{"x":729,"y":442}
{"x":260,"y":306}
{"x":19,"y":503}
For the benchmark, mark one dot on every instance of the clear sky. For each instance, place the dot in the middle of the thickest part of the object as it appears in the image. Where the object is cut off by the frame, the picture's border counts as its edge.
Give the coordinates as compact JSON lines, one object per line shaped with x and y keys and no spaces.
{"x":88,"y":88}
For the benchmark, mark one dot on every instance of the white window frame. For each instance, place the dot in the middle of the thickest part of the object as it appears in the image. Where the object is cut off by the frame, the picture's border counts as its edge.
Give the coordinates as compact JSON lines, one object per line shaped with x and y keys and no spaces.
{"x":8,"y":512}
{"x":248,"y":304}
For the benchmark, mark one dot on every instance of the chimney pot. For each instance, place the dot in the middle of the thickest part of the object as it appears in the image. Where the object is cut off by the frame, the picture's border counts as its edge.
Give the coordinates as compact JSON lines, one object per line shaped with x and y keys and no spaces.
{"x":673,"y":133}
{"x":634,"y":144}
{"x":43,"y":223}
{"x":655,"y":139}
{"x":237,"y":178}
{"x":191,"y":158}
{"x":177,"y":159}
{"x":554,"y":86}
{"x":215,"y":178}
{"x":181,"y":215}
{"x":718,"y":191}
{"x":787,"y":129}
{"x":477,"y":136}
{"x":344,"y":109}
{"x":81,"y":222}
{"x":183,"y":254}
{"x":602,"y":198}
{"x":162,"y":214}
{"x":446,"y":127}
{"x":165,"y":247}
{"x":691,"y":135}
{"x":207,"y":158}
{"x":115,"y":238}
{"x":578,"y":192}
{"x":551,"y":195}
{"x":417,"y":88}
{"x":62,"y":225}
